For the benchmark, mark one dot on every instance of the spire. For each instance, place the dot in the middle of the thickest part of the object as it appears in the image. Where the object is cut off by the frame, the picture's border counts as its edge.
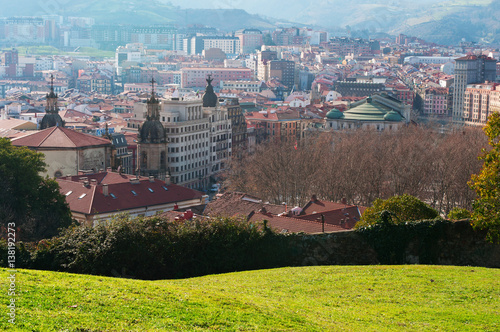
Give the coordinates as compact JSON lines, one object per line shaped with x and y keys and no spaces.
{"x":153,"y":104}
{"x":51,"y":95}
{"x":52,"y":117}
{"x":153,"y":87}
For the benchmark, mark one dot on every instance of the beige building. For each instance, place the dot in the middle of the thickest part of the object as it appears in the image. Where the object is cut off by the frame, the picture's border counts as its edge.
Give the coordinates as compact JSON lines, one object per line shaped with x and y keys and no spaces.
{"x":67,"y":152}
{"x":480,"y":100}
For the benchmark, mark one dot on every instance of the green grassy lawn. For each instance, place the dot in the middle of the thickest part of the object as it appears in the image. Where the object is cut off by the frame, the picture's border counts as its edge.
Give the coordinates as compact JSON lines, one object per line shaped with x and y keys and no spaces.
{"x":328,"y":298}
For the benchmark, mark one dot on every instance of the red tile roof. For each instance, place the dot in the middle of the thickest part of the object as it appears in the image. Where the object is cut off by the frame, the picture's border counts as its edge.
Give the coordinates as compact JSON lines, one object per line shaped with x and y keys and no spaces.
{"x":91,"y":200}
{"x":318,"y":206}
{"x":293,"y":225}
{"x":343,"y":217}
{"x":233,"y":204}
{"x":59,"y":137}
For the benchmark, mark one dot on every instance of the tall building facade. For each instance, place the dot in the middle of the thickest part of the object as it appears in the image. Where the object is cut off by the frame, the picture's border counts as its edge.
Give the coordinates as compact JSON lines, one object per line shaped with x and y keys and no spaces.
{"x":263,"y":59}
{"x":238,"y":124}
{"x":284,"y":71}
{"x":480,"y":100}
{"x":195,"y":77}
{"x":250,"y":40}
{"x":199,"y":138}
{"x":470,"y":69}
{"x":220,"y":131}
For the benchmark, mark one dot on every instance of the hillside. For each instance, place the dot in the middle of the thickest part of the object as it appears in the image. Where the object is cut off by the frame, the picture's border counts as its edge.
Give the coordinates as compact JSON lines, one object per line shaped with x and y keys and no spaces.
{"x":440,"y":21}
{"x":327,"y":298}
{"x":140,"y":13}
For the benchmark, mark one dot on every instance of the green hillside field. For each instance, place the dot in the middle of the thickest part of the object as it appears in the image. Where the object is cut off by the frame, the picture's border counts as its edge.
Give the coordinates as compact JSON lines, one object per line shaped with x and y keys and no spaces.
{"x":326,"y":298}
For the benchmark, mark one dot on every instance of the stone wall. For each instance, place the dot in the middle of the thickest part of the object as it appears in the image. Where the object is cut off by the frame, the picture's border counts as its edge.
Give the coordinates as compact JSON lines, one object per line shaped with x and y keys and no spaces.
{"x":458,"y":244}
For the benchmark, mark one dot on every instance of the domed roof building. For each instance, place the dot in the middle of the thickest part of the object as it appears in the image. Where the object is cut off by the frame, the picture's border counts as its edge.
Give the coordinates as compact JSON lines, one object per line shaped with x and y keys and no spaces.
{"x":378,"y":112}
{"x":52,"y":117}
{"x":334,"y":114}
{"x":152,"y":141}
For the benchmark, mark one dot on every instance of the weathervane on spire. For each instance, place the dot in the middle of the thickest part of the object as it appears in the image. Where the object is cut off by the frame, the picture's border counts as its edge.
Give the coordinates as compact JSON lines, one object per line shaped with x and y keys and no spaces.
{"x":209,"y":79}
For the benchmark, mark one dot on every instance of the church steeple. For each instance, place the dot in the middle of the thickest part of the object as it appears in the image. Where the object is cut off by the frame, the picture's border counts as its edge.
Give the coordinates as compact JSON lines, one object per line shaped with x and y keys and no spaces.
{"x":152,"y":141}
{"x":52,"y":117}
{"x":152,"y":130}
{"x":51,"y":106}
{"x":153,"y":104}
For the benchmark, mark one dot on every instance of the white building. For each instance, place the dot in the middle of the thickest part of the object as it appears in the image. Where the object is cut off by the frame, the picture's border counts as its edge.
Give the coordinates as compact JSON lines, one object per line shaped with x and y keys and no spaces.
{"x":130,"y":53}
{"x":248,"y":86}
{"x":429,"y":59}
{"x":228,"y":45}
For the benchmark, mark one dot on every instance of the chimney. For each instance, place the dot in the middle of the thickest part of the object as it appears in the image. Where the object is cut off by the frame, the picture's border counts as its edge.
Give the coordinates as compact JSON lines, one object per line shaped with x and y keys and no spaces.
{"x":344,"y":201}
{"x":105,"y":191}
{"x":314,"y":198}
{"x":86,"y":183}
{"x":93,"y":182}
{"x":108,"y":169}
{"x":167,"y":180}
{"x":135,"y":181}
{"x":151,"y":178}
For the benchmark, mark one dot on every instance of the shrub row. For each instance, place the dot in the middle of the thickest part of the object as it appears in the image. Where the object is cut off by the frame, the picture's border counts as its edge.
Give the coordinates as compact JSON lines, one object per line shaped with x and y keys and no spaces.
{"x":391,"y":240}
{"x":154,"y":248}
{"x":158,"y":249}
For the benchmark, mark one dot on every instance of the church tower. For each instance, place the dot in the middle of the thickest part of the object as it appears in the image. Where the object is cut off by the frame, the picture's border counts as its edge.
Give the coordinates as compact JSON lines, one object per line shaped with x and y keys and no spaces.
{"x":152,"y":141}
{"x":52,"y":117}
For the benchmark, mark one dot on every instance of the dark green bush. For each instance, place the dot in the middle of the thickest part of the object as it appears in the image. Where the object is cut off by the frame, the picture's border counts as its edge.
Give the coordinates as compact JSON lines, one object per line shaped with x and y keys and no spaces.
{"x":459,"y":214}
{"x":398,"y":209}
{"x":154,"y":248}
{"x":390,"y":240}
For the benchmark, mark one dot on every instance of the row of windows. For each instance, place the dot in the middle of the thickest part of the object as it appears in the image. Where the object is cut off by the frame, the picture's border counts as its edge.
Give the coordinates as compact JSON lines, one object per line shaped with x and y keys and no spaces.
{"x":187,"y":129}
{"x":188,"y":166}
{"x":187,"y":147}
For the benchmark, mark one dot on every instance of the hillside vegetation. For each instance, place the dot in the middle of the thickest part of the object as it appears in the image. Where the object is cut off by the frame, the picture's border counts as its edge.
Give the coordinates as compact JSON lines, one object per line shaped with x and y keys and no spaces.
{"x":327,"y":298}
{"x":440,"y":21}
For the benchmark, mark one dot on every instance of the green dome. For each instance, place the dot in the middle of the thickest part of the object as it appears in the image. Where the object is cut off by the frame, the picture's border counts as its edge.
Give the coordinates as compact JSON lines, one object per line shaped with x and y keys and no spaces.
{"x":335,"y":114}
{"x":393,"y":116}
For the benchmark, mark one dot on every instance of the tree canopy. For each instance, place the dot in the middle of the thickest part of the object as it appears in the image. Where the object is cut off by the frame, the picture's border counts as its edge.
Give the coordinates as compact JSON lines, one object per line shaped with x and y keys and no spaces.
{"x":486,"y":207}
{"x":397,"y":209}
{"x":33,"y":203}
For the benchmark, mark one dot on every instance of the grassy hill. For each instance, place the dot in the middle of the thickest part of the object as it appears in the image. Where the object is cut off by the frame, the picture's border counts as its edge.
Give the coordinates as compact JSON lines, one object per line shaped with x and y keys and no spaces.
{"x":136,"y":12}
{"x":328,"y":298}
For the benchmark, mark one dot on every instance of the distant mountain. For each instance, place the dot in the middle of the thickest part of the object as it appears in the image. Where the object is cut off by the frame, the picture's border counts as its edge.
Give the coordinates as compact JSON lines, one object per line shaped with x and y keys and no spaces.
{"x":440,"y":21}
{"x":139,"y":12}
{"x":472,"y":22}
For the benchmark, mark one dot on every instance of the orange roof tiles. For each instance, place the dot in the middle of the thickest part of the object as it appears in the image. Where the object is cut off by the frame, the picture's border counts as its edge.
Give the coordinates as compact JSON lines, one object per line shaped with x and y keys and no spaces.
{"x":58,"y":137}
{"x":91,"y":200}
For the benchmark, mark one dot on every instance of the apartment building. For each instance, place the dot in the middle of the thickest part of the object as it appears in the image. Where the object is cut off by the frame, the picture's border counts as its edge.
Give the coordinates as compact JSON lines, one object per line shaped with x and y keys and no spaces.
{"x":468,"y":70}
{"x":480,"y":100}
{"x":195,"y":77}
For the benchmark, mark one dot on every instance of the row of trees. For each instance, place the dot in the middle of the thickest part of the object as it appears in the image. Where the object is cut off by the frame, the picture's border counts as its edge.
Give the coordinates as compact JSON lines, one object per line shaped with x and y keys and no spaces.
{"x":363,"y":166}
